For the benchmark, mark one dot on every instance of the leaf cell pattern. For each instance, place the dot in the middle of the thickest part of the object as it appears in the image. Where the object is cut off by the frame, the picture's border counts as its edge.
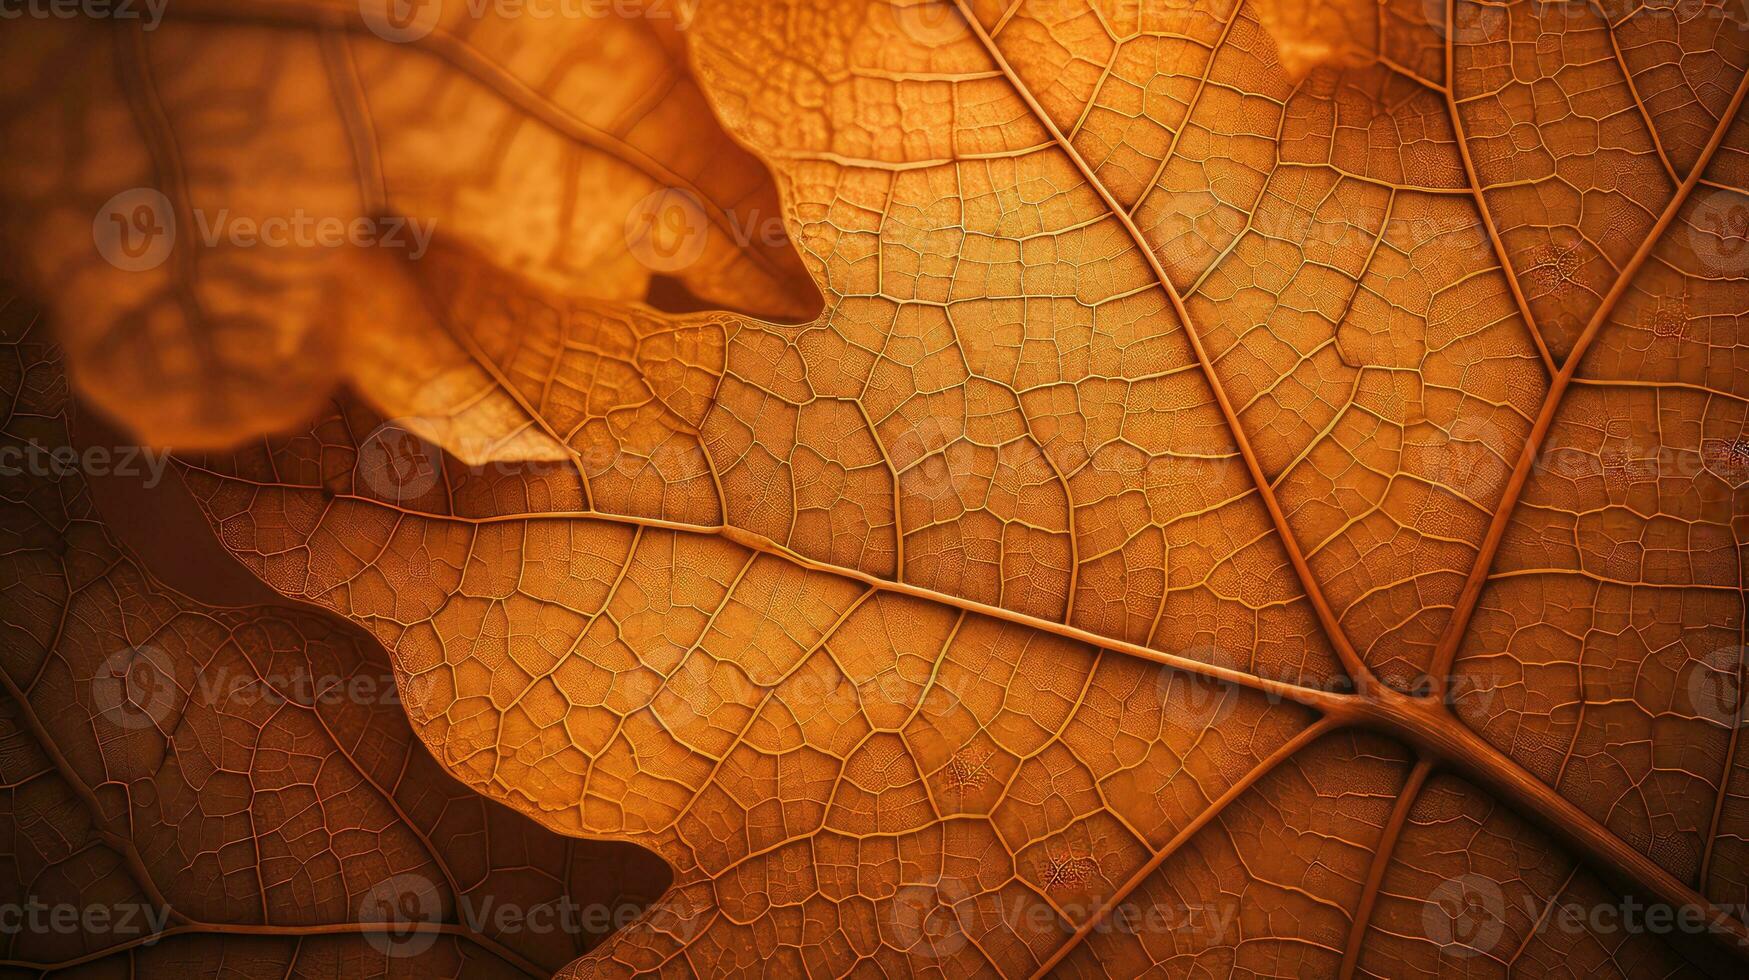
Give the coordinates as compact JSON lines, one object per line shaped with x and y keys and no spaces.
{"x":1283,"y":485}
{"x":231,"y":788}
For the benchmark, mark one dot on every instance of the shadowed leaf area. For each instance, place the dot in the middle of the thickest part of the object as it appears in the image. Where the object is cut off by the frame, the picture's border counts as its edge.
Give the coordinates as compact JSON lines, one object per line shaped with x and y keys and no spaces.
{"x":191,"y":790}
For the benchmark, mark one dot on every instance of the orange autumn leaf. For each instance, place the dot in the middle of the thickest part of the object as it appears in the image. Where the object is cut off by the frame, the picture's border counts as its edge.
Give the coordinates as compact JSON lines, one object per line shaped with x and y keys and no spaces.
{"x":256,"y":161}
{"x":1250,"y":504}
{"x":190,"y":789}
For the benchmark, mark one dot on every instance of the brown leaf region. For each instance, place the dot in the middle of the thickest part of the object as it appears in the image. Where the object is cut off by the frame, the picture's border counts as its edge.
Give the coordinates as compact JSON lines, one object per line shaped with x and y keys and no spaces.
{"x":873,"y":488}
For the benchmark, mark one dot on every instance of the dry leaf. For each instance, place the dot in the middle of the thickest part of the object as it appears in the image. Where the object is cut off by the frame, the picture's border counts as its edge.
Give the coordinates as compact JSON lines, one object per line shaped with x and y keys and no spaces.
{"x":1230,"y":517}
{"x":191,"y":789}
{"x":248,"y":168}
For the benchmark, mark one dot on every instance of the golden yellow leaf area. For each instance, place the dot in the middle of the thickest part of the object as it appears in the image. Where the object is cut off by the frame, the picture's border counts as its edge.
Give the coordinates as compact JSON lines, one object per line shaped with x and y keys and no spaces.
{"x":1262,"y":497}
